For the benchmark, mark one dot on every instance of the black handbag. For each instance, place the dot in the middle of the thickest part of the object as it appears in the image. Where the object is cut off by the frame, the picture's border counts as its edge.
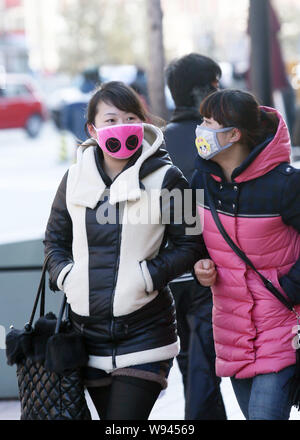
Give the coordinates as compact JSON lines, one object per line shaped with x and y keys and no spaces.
{"x":49,"y":357}
{"x":294,"y":393}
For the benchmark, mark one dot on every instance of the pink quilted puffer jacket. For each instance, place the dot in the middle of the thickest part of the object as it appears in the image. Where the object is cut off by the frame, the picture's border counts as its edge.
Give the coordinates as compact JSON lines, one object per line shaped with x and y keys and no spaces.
{"x":252,"y":329}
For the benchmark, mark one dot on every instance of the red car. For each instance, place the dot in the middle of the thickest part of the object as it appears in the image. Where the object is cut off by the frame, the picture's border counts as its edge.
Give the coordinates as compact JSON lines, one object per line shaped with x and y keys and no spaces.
{"x":20,"y":105}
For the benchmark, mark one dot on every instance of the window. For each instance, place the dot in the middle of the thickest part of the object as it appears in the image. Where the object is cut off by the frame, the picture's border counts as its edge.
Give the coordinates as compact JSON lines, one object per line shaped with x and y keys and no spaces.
{"x":15,"y":90}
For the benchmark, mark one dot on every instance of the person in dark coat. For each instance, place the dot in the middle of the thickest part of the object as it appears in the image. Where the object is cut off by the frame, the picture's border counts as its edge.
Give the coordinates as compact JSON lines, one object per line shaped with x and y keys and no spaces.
{"x":190,"y":79}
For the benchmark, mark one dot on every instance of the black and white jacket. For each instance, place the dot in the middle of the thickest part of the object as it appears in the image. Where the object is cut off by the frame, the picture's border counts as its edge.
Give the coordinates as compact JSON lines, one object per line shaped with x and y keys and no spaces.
{"x":115,"y":274}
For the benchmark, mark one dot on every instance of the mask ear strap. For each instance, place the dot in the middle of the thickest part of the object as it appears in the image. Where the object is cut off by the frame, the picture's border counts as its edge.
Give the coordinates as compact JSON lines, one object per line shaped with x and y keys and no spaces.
{"x":225,"y":129}
{"x":95,"y":138}
{"x":217,"y":140}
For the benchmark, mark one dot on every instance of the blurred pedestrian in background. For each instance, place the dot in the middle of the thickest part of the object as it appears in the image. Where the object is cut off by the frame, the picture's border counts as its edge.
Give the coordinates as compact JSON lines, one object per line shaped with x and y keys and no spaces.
{"x":244,"y":165}
{"x":114,"y":272}
{"x":190,"y":79}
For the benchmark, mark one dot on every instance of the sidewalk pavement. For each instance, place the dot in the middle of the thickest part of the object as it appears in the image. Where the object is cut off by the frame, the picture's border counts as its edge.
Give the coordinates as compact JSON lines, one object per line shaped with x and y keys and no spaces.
{"x":169,"y":406}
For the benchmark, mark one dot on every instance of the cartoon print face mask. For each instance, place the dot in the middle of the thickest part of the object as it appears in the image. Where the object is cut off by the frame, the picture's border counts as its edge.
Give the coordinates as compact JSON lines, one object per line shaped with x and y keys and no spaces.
{"x":207,"y":141}
{"x":120,"y":141}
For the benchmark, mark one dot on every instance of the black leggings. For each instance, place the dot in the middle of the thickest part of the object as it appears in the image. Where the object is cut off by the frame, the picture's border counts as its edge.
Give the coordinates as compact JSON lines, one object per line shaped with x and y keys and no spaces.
{"x":126,"y":398}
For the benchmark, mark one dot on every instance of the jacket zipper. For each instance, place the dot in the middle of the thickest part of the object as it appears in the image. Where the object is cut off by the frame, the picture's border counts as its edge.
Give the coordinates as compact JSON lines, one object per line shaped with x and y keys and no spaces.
{"x":112,"y":326}
{"x":145,"y":283}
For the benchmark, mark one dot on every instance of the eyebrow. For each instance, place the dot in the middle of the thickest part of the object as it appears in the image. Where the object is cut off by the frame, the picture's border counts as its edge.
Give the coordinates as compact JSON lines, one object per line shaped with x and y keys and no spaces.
{"x":110,"y":114}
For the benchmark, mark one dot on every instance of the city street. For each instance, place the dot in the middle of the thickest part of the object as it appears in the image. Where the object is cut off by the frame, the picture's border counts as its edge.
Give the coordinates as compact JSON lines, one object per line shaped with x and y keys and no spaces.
{"x":30,"y":171}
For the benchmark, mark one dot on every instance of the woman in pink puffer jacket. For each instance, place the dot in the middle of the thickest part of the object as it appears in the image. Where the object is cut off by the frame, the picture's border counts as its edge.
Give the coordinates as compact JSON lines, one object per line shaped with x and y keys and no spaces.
{"x":245,"y":151}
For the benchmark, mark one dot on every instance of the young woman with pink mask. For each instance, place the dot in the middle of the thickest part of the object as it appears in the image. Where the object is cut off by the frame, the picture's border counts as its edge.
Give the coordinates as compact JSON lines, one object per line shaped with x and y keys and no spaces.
{"x":113,"y":269}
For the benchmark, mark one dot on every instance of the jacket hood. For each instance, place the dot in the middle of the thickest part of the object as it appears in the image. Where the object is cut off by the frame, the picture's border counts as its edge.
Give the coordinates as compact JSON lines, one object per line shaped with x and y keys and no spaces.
{"x":271,"y":155}
{"x":263,"y":158}
{"x":89,"y":185}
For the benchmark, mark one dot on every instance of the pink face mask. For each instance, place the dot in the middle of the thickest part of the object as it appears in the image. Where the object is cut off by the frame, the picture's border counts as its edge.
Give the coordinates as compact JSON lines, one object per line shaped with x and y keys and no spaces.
{"x":120,"y":141}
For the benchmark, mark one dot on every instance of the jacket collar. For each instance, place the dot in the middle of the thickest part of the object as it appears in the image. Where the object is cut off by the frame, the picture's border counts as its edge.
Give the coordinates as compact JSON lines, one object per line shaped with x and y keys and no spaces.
{"x":215,"y":170}
{"x":99,"y":162}
{"x":88,"y":184}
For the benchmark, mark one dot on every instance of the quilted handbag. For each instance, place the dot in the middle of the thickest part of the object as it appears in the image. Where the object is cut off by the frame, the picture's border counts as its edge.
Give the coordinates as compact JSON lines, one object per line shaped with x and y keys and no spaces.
{"x":49,"y":357}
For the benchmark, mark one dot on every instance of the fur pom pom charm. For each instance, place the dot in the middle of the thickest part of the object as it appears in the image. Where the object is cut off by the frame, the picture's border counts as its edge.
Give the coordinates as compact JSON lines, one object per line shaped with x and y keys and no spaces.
{"x":61,"y":352}
{"x":65,"y":352}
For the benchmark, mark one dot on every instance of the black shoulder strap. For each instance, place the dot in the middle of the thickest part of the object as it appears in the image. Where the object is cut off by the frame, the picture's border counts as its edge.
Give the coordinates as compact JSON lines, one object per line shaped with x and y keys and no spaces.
{"x":239,"y":252}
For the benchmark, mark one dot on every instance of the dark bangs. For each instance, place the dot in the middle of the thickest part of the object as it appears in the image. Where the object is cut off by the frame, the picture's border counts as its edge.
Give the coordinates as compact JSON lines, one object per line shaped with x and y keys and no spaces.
{"x":118,"y":94}
{"x":231,"y":108}
{"x":123,"y":97}
{"x":236,"y":108}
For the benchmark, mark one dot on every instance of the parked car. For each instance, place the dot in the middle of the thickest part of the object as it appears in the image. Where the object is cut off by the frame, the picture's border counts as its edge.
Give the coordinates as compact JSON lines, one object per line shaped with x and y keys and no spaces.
{"x":21,"y":105}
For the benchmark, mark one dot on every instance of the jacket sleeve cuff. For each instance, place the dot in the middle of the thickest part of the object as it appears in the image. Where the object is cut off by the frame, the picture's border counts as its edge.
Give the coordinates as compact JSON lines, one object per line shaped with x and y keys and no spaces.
{"x":62,"y":275}
{"x":291,"y":288}
{"x":147,"y":276}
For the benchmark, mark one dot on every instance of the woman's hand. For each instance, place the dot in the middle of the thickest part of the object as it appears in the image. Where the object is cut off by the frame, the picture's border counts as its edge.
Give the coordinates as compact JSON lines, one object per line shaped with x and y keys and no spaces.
{"x":205,"y":272}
